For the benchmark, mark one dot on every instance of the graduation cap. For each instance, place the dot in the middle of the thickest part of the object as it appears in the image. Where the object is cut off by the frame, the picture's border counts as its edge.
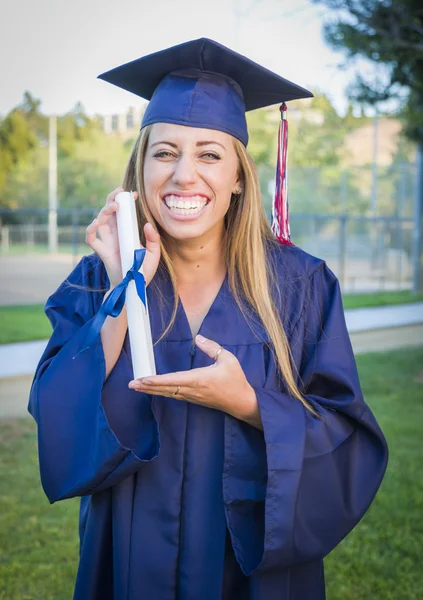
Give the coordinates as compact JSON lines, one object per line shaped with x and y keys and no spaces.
{"x":204,"y":84}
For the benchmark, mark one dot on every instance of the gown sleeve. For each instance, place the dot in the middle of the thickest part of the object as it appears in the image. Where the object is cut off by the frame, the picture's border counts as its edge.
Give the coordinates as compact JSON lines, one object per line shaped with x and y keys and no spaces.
{"x":295,"y":490}
{"x":92,"y":432}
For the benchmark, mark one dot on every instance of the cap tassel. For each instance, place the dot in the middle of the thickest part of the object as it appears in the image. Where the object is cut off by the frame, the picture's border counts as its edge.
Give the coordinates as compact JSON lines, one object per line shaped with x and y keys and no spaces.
{"x":280,"y":209}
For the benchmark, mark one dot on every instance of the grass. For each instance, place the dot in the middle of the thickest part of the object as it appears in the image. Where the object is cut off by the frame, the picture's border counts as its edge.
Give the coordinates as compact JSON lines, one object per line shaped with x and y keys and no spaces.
{"x":25,"y":323}
{"x":19,"y":249}
{"x":38,"y":542}
{"x":379,"y":560}
{"x":380,"y":299}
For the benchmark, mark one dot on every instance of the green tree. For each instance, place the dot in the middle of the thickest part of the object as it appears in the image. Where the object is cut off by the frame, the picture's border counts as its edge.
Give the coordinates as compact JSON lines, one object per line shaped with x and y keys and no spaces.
{"x":95,"y":167}
{"x":16,"y":142}
{"x":73,"y":127}
{"x":315,"y":156}
{"x":389,"y":33}
{"x":27,"y":186}
{"x":262,"y":129}
{"x":30,"y":108}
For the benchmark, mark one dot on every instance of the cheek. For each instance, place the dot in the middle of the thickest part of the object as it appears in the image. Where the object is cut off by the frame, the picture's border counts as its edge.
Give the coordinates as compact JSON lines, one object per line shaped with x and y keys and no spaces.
{"x":151,"y":177}
{"x":154,"y":178}
{"x":222,"y":182}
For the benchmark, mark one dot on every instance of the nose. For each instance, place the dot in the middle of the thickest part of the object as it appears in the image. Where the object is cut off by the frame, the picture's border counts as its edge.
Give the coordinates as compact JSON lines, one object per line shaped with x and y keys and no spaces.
{"x":185,"y":172}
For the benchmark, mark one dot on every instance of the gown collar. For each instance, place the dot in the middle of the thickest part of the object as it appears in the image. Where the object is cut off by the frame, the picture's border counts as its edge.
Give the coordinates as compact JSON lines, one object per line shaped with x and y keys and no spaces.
{"x":223,"y":323}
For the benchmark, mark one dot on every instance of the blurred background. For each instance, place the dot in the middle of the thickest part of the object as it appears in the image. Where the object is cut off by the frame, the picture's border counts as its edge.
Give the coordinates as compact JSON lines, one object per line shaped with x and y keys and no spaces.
{"x":355,"y":180}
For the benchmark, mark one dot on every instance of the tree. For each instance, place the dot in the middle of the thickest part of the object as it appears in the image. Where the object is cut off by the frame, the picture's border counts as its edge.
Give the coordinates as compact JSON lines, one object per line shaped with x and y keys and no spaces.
{"x":389,"y":33}
{"x":316,"y":151}
{"x":24,"y":157}
{"x":73,"y":127}
{"x":30,"y":108}
{"x":96,"y":167}
{"x":16,"y":142}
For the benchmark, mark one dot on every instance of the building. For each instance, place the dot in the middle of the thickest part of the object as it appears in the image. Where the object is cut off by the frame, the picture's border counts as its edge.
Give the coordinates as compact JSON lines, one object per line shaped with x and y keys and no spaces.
{"x":126,"y":124}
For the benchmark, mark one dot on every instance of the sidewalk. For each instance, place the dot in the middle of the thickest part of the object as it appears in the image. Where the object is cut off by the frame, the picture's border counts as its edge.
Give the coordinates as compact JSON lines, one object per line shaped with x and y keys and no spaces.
{"x":363,"y":323}
{"x":385,"y":327}
{"x":382,"y":317}
{"x":371,"y":329}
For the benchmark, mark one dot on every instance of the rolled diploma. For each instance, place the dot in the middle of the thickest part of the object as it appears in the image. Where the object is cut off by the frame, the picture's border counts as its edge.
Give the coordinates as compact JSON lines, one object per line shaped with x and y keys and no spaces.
{"x":138,"y":318}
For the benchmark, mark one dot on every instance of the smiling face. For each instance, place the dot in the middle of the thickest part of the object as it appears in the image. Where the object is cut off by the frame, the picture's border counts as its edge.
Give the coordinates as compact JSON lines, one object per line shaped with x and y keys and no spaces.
{"x":190,"y":175}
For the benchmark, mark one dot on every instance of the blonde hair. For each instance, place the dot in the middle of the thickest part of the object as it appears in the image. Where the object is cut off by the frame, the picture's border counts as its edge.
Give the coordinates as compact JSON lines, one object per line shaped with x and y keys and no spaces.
{"x":247,"y":235}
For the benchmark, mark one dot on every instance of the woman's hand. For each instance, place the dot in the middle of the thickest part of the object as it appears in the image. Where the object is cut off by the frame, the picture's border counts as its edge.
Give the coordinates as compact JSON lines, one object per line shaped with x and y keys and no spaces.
{"x":222,"y":386}
{"x":107,"y":244}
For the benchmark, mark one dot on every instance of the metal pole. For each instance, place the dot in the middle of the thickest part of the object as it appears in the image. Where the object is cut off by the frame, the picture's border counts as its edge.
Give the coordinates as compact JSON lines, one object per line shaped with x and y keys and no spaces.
{"x":400,"y":224}
{"x":343,"y":195}
{"x":5,"y":238}
{"x":373,"y":207}
{"x":418,"y":223}
{"x":342,"y":249}
{"x":373,"y":200}
{"x":75,"y":223}
{"x":52,"y":185}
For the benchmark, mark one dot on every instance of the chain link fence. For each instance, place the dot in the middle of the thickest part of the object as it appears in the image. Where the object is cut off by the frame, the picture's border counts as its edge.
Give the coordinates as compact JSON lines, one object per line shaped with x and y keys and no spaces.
{"x":366,"y":253}
{"x":360,"y":221}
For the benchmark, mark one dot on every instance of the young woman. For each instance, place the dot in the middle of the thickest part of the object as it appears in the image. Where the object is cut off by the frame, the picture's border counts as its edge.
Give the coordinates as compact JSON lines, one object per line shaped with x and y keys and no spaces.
{"x":236,"y":469}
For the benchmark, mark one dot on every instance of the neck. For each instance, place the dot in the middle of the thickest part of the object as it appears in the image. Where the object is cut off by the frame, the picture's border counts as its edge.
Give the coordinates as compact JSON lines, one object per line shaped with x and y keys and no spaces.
{"x":198,"y":261}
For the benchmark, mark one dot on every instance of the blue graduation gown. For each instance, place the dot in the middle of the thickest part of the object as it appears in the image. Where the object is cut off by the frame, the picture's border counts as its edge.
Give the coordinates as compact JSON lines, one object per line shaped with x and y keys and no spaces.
{"x":182,"y":502}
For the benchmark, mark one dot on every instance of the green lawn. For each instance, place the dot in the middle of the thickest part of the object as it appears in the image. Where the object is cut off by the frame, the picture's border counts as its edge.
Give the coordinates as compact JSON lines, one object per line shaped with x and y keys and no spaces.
{"x":38,"y":542}
{"x":380,"y":299}
{"x":24,"y":323}
{"x":379,"y":560}
{"x":19,"y":249}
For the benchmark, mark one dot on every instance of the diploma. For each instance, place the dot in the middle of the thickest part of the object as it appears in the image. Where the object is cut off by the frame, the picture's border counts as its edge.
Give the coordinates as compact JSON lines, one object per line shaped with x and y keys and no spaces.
{"x":138,"y":318}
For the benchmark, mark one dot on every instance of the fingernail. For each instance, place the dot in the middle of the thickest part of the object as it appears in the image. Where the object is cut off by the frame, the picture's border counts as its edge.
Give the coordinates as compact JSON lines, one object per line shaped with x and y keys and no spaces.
{"x":146,"y":381}
{"x":200,"y":339}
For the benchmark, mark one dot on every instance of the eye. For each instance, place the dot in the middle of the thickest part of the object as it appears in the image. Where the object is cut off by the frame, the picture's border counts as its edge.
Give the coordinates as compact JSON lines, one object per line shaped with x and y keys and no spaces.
{"x":163,"y":154}
{"x":211,"y":155}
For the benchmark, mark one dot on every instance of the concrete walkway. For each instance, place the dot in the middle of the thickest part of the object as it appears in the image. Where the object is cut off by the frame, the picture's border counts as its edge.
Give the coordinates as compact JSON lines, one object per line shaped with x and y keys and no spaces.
{"x":385,"y":327}
{"x":371,"y":329}
{"x":381,"y":317}
{"x":20,"y":359}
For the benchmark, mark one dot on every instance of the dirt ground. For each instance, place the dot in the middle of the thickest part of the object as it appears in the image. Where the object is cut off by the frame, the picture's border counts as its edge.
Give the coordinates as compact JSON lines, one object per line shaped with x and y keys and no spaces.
{"x":30,"y":279}
{"x":14,"y":391}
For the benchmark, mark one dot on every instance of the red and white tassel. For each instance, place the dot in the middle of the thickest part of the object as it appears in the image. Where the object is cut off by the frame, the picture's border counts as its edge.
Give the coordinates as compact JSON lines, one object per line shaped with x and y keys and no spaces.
{"x":280,"y":209}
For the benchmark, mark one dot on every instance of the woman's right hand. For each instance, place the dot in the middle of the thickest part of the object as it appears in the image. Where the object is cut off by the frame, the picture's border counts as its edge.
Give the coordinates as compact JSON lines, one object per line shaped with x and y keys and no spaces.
{"x":107,"y":244}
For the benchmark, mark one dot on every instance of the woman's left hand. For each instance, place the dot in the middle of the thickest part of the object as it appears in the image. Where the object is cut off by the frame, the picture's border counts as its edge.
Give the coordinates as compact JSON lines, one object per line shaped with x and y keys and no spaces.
{"x":222,"y":385}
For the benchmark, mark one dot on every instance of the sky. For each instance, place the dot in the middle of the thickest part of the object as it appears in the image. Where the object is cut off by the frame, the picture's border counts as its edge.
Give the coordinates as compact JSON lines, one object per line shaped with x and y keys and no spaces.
{"x":56,"y":48}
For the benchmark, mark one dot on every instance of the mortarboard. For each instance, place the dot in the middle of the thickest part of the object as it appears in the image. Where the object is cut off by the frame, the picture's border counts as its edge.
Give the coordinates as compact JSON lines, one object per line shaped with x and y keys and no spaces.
{"x":204,"y":84}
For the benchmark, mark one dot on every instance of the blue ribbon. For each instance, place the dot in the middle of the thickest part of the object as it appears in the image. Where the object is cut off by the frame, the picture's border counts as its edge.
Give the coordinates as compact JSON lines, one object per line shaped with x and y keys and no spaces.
{"x":114,"y":303}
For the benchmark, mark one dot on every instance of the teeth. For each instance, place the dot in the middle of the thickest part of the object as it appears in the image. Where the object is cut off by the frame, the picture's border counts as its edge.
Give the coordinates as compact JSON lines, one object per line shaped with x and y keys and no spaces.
{"x":185,"y":211}
{"x":191,"y":205}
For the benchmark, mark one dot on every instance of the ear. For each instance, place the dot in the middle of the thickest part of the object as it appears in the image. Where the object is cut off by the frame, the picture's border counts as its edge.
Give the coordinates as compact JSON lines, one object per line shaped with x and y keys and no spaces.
{"x":239,"y":180}
{"x":238,"y":185}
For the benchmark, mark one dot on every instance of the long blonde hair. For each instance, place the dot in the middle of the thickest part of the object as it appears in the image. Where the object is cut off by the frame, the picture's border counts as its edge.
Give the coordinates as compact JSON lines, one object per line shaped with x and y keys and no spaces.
{"x":247,"y":235}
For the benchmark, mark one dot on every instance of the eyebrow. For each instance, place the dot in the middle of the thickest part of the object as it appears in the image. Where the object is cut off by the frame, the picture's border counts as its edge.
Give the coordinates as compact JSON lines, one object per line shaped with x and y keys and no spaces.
{"x":199,"y":144}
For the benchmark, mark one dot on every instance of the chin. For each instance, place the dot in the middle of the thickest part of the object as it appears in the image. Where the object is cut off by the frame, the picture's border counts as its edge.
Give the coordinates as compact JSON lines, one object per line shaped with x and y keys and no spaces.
{"x":189,"y":231}
{"x":185,"y":233}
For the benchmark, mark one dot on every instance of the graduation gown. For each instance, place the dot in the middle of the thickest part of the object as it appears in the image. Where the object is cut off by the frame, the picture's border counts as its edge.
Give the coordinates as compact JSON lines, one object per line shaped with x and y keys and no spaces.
{"x":183,"y":502}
